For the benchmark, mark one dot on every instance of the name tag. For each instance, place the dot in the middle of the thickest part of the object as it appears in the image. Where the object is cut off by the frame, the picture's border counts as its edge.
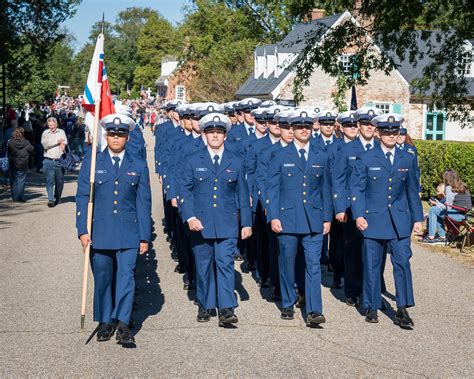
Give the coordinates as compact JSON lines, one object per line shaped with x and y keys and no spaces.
{"x":201,"y":169}
{"x":101,"y":171}
{"x":374,"y":168}
{"x":317,"y":166}
{"x":402,"y":169}
{"x":229,"y":170}
{"x":352,"y":158}
{"x":288,"y":165}
{"x":132,"y":173}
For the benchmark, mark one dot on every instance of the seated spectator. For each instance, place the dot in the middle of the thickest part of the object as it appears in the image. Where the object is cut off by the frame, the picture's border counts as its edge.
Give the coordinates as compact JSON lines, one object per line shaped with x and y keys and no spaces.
{"x":457,"y":194}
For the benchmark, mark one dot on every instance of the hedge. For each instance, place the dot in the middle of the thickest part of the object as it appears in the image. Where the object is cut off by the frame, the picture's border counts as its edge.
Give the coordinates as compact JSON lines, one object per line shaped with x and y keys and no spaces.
{"x":436,"y":156}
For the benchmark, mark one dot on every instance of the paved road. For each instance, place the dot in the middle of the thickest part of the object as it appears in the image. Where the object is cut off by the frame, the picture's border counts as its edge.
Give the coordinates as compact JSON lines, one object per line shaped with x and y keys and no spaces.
{"x":41,"y":273}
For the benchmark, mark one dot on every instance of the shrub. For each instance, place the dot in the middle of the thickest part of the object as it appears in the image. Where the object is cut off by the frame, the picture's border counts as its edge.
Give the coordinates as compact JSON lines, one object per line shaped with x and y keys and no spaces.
{"x":436,"y":156}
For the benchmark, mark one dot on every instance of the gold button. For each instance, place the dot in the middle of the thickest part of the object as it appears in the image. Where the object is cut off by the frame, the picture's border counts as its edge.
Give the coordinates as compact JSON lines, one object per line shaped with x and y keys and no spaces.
{"x":200,"y":179}
{"x":115,"y":192}
{"x":215,"y":180}
{"x":215,"y":188}
{"x":100,"y":181}
{"x":168,"y":186}
{"x":389,"y":205}
{"x":268,"y":201}
{"x":215,"y":196}
{"x":375,"y":178}
{"x":304,"y":184}
{"x":366,"y":211}
{"x":390,"y":188}
{"x":116,"y":182}
{"x":259,"y":193}
{"x":215,"y":205}
{"x":78,"y":213}
{"x":134,"y":184}
{"x":115,"y":211}
{"x":182,"y":201}
{"x":317,"y":175}
{"x":115,"y":202}
{"x":389,"y":196}
{"x":230,"y":180}
{"x":304,"y":193}
{"x":304,"y":176}
{"x":282,"y":209}
{"x":289,"y":174}
{"x":335,"y":195}
{"x":389,"y":179}
{"x":304,"y":201}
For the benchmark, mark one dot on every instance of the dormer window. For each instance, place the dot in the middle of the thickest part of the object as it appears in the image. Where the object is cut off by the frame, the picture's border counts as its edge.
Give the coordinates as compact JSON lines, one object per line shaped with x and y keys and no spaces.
{"x":345,"y":62}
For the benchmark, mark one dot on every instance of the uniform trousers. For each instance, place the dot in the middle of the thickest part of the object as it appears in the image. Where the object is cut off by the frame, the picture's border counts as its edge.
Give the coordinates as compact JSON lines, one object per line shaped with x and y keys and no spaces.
{"x":372,"y":256}
{"x":273,"y":249}
{"x":351,"y":244}
{"x":215,"y":275}
{"x":261,"y":244}
{"x":114,"y":288}
{"x":312,"y":244}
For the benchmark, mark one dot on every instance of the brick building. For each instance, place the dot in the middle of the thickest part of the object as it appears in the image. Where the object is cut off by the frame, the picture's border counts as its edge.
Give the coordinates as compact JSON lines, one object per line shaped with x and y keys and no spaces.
{"x":171,"y":85}
{"x":273,"y":79}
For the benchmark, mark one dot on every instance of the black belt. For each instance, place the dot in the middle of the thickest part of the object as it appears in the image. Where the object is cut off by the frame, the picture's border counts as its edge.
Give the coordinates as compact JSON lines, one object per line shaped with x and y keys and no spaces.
{"x":51,"y":159}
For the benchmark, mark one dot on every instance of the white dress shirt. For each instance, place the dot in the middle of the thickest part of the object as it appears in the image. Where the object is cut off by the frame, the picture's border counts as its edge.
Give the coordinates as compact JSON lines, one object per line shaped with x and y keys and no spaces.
{"x":247,"y":127}
{"x":213,"y":154}
{"x":365,"y":142}
{"x":305,"y":147}
{"x":385,"y":151}
{"x":112,"y":155}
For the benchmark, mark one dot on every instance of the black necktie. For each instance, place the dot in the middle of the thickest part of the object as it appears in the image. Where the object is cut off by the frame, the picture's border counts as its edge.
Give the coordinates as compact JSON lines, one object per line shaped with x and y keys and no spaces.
{"x":368,"y":146}
{"x":116,"y":164}
{"x":302,"y":157}
{"x":328,"y":142}
{"x":216,"y":162}
{"x":388,"y":155}
{"x":251,"y":130}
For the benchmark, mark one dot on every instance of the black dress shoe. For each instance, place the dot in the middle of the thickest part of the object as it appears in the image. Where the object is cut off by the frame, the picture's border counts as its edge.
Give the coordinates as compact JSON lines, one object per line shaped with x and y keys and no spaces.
{"x":276,"y":295}
{"x":51,"y":204}
{"x":203,"y":315}
{"x":251,"y":266}
{"x":352,"y":301}
{"x":227,"y":316}
{"x":403,"y":319}
{"x":238,"y":257}
{"x":371,"y":316}
{"x":179,"y":269}
{"x":336,"y":284}
{"x":315,"y":318}
{"x":287,"y":313}
{"x":263,"y":283}
{"x":124,"y":335}
{"x":105,"y":332}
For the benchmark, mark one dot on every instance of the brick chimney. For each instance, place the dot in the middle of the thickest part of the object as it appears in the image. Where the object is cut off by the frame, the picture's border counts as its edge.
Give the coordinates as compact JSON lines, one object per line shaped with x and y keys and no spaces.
{"x":317,"y":14}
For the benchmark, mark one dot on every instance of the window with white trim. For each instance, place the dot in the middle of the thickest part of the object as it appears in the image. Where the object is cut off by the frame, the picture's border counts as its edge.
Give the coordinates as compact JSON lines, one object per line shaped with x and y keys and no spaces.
{"x":345,"y":61}
{"x":180,"y":92}
{"x":466,"y":65}
{"x":384,"y":107}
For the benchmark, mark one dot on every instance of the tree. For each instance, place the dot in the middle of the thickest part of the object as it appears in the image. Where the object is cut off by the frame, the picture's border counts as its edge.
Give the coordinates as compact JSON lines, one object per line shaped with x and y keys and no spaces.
{"x":218,"y":48}
{"x":431,"y":31}
{"x":157,"y":39}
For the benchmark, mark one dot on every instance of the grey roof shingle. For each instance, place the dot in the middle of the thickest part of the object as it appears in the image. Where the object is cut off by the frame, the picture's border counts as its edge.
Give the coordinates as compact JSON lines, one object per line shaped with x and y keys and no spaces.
{"x":411,"y":71}
{"x":292,"y":43}
{"x":260,"y":87}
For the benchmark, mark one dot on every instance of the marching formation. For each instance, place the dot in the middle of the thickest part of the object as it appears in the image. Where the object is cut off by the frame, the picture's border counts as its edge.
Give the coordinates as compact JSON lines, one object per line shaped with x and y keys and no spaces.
{"x":285,"y":189}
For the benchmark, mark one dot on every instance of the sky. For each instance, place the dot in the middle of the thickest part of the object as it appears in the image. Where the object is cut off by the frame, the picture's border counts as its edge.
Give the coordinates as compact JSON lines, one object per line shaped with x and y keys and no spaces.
{"x":90,"y":11}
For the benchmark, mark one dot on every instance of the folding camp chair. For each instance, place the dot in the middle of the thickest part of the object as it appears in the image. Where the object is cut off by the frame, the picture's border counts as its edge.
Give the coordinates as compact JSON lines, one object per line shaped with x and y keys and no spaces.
{"x":460,"y":232}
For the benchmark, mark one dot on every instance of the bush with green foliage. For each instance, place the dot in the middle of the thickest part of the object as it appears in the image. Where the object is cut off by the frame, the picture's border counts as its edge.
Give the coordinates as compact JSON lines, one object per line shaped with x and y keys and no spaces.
{"x":436,"y":156}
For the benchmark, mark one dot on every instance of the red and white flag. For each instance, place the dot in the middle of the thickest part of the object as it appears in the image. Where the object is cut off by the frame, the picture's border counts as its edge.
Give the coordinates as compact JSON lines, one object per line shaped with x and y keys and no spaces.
{"x":94,"y":89}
